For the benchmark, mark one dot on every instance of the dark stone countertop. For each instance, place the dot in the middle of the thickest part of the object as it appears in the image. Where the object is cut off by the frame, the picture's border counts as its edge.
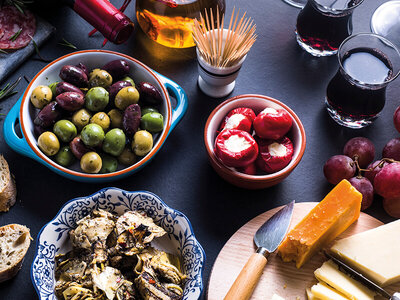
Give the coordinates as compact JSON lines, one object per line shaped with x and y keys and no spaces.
{"x":180,"y":174}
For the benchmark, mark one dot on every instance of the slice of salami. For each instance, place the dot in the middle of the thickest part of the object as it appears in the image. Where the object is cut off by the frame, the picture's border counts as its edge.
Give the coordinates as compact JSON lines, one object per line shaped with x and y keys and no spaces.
{"x":11,"y":21}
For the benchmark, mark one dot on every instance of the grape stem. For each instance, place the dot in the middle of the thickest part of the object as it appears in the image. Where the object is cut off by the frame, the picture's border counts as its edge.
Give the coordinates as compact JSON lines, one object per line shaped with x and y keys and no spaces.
{"x":355,"y":159}
{"x":380,"y":164}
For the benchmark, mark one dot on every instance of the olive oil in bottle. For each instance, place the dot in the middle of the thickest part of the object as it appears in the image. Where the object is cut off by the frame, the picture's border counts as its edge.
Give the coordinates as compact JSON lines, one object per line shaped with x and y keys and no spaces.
{"x":170,"y":22}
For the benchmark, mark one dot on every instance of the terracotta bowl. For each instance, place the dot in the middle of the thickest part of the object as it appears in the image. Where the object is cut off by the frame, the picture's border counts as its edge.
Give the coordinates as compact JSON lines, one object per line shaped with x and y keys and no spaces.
{"x":257,"y":103}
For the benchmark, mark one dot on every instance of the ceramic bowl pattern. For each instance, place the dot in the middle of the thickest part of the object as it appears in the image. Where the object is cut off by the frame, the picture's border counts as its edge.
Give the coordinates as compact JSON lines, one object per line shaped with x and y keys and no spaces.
{"x":257,"y":103}
{"x":53,"y":238}
{"x":25,"y":112}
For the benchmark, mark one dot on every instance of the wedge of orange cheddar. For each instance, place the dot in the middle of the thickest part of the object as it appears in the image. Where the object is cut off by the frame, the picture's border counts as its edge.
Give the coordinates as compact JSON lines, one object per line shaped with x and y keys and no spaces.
{"x":333,"y":215}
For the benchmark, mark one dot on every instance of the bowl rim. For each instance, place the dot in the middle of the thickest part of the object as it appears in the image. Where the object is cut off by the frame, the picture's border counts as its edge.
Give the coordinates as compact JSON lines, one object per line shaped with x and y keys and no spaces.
{"x":166,"y":206}
{"x":138,"y":164}
{"x":255,"y":178}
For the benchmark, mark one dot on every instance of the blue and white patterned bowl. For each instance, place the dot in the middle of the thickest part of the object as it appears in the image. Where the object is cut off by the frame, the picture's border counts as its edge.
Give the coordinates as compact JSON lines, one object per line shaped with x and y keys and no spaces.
{"x":53,"y":238}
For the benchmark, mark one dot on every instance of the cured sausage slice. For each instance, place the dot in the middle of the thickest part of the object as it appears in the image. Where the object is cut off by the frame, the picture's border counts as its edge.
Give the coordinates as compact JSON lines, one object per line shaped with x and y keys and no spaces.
{"x":11,"y":21}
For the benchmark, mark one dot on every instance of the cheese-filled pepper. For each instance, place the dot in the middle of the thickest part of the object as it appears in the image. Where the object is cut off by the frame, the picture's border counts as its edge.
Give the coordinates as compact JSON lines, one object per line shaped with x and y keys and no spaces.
{"x":236,"y":148}
{"x":272,"y":123}
{"x":239,"y":118}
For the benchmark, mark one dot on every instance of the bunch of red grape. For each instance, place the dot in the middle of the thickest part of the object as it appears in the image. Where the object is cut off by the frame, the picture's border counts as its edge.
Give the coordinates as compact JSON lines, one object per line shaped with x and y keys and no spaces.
{"x":381,"y":177}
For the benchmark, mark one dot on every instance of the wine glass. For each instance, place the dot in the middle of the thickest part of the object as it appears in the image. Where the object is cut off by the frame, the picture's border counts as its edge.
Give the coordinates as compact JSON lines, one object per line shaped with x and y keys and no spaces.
{"x":386,"y":21}
{"x":357,"y":93}
{"x":322,"y":25}
{"x":296,"y":3}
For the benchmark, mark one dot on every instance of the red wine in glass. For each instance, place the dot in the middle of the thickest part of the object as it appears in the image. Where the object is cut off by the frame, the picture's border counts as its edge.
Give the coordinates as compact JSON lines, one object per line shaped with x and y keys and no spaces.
{"x":357,"y":93}
{"x":358,"y":102}
{"x":322,"y":25}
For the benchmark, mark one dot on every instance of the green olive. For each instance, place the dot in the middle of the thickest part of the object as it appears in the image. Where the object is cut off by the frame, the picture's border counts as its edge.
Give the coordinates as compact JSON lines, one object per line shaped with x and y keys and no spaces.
{"x":41,"y":96}
{"x":100,"y":77}
{"x":126,"y":96}
{"x":153,"y":122}
{"x":114,"y":142}
{"x":53,"y":87}
{"x":92,"y":135}
{"x":142,"y":142}
{"x":146,"y":110}
{"x":65,"y":157}
{"x":65,"y":130}
{"x":127,"y":157}
{"x":116,"y":118}
{"x":81,"y":118}
{"x":101,"y":119}
{"x":96,"y":99}
{"x":109,"y":164}
{"x":127,"y":78}
{"x":48,"y":143}
{"x":91,"y":162}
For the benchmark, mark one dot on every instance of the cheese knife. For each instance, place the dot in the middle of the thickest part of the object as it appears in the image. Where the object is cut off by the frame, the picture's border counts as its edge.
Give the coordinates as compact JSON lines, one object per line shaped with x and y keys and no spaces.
{"x":361,"y":278}
{"x":267,"y":239}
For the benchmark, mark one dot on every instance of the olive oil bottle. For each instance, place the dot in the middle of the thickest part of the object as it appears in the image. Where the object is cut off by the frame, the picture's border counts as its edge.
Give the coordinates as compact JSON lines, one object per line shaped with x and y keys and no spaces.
{"x":170,"y":22}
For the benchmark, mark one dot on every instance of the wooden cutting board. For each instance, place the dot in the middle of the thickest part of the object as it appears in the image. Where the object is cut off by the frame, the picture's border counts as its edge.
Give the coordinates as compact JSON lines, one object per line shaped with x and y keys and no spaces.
{"x":280,"y":278}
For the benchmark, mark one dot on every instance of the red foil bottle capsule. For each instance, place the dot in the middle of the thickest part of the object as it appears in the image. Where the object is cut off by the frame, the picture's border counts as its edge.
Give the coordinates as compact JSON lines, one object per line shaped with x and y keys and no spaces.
{"x":105,"y":17}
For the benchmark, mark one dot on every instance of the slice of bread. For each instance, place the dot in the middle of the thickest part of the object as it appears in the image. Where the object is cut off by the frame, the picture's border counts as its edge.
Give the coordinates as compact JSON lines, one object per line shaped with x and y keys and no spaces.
{"x":14,"y":243}
{"x":8,"y":190}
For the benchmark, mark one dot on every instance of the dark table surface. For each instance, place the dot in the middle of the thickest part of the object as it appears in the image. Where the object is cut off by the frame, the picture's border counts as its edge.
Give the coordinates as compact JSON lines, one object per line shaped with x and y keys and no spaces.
{"x":180,"y":174}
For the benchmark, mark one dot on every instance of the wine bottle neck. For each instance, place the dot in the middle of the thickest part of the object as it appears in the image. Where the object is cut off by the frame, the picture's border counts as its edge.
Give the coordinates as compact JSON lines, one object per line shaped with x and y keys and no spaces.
{"x":101,"y":14}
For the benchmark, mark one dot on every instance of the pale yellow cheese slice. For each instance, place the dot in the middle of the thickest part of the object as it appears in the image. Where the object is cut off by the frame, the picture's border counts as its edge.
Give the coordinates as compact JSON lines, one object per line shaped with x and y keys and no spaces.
{"x":324,"y":292}
{"x":329,"y":273}
{"x":310,"y":295}
{"x":375,"y":253}
{"x":277,"y":297}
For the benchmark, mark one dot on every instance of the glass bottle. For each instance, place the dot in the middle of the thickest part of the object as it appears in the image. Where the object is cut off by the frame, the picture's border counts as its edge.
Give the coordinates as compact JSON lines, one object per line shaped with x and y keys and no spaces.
{"x":169,"y":22}
{"x":106,"y":18}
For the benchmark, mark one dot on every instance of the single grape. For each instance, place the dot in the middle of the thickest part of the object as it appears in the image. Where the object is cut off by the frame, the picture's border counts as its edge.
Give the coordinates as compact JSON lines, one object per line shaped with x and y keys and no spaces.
{"x":387,"y":181}
{"x":361,"y":147}
{"x":396,"y":119}
{"x":392,"y":149}
{"x":339,"y":167}
{"x":392,"y":207}
{"x":364,"y":186}
{"x":374,"y":168}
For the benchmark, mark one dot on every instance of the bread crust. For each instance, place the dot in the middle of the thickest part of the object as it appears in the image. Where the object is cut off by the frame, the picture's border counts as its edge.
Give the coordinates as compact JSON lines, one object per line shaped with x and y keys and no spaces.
{"x":14,"y":267}
{"x":8,"y":195}
{"x":11,"y":272}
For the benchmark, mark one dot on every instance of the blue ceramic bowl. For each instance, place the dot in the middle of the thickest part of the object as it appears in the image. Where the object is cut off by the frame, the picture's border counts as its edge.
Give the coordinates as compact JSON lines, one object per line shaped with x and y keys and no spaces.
{"x":25,"y":113}
{"x":53,"y":238}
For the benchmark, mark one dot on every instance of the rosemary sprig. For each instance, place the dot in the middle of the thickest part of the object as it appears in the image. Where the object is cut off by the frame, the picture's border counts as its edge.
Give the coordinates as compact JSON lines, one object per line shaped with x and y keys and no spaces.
{"x":37,"y":51}
{"x":8,"y":90}
{"x":23,"y":2}
{"x":15,"y":35}
{"x":67,"y":44}
{"x":20,"y":4}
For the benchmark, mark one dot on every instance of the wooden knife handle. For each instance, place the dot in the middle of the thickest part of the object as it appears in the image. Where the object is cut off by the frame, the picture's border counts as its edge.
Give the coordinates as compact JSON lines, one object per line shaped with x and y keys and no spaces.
{"x":246,"y":282}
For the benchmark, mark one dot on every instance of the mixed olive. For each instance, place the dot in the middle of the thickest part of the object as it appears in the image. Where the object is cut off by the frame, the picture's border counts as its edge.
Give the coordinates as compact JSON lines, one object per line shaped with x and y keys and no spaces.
{"x":100,"y":118}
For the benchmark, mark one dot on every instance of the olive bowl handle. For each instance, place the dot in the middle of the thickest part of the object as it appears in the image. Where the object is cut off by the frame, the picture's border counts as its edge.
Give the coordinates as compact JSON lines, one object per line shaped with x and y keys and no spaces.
{"x":11,"y":137}
{"x":181,"y":100}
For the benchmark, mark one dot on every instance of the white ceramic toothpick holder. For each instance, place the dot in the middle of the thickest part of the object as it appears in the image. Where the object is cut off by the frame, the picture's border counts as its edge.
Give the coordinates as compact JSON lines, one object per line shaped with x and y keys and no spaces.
{"x":217,"y":82}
